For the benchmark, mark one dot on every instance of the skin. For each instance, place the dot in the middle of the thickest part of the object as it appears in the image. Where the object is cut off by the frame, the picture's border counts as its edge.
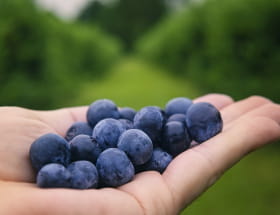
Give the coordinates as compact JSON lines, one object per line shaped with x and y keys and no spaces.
{"x":248,"y":125}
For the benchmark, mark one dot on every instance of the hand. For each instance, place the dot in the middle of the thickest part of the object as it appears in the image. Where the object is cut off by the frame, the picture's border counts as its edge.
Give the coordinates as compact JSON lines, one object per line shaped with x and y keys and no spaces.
{"x":248,"y":125}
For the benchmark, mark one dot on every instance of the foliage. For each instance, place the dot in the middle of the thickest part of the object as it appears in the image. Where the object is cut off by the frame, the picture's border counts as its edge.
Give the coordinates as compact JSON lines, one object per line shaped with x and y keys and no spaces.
{"x":229,"y":46}
{"x":43,"y":61}
{"x":125,"y":19}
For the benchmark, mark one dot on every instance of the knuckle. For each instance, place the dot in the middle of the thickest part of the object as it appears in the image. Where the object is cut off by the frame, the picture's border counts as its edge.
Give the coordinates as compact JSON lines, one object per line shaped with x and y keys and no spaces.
{"x":272,"y":108}
{"x":259,"y":99}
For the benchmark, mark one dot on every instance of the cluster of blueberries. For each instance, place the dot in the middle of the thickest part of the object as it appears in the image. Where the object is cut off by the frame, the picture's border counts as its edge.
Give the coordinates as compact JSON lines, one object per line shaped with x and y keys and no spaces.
{"x":116,"y":143}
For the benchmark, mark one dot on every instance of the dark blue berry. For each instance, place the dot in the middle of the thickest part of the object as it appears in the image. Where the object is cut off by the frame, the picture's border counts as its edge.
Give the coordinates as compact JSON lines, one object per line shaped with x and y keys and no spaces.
{"x":127,"y":124}
{"x":158,"y":162}
{"x":178,"y":117}
{"x":176,"y":138}
{"x":78,"y":128}
{"x":177,"y":105}
{"x":83,"y":175}
{"x":114,"y":168}
{"x":49,"y":148}
{"x":149,"y":120}
{"x":84,"y":147}
{"x":127,"y":113}
{"x":137,"y":145}
{"x":203,"y":121}
{"x":53,"y":176}
{"x":102,"y":109}
{"x":107,"y":133}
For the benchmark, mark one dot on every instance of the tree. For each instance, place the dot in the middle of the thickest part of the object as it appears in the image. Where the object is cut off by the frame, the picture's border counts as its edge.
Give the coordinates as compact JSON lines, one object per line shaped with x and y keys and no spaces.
{"x":229,"y":46}
{"x":43,"y":59}
{"x":126,"y":19}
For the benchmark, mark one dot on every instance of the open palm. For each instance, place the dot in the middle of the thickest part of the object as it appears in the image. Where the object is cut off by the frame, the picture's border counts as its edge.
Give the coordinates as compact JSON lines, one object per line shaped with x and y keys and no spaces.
{"x":248,"y":125}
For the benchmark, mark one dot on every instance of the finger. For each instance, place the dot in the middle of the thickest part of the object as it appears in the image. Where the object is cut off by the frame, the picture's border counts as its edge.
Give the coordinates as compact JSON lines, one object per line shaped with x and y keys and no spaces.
{"x":62,"y":119}
{"x":232,"y":112}
{"x":218,"y":100}
{"x":193,"y":171}
{"x":269,"y":110}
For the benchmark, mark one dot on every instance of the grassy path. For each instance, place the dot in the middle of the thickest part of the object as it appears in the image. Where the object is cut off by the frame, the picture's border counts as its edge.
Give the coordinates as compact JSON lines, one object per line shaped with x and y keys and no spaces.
{"x":133,"y":83}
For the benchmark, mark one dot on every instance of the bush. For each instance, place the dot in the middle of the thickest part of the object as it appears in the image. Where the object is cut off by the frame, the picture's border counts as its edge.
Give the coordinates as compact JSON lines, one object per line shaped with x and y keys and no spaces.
{"x":229,"y":46}
{"x":43,"y":61}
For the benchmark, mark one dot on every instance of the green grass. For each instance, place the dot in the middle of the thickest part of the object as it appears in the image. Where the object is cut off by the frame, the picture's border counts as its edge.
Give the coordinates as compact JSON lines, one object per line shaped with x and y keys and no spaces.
{"x":250,"y":187}
{"x":136,"y":84}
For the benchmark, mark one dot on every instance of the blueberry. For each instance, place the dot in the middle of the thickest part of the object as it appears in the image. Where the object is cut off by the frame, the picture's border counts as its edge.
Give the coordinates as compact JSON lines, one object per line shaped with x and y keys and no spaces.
{"x":137,"y":145}
{"x":127,"y":124}
{"x":49,"y":148}
{"x":158,"y":162}
{"x":84,"y":147}
{"x":53,"y":175}
{"x":127,"y":113}
{"x":114,"y":168}
{"x":150,"y":120}
{"x":176,"y":138}
{"x":102,"y":109}
{"x":83,"y":175}
{"x":178,"y":117}
{"x":78,"y":128}
{"x":107,"y":133}
{"x":203,"y":121}
{"x":177,"y":105}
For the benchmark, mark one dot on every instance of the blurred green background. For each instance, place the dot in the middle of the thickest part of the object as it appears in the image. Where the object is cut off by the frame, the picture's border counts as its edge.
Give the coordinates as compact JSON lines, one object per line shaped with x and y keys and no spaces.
{"x":145,"y":52}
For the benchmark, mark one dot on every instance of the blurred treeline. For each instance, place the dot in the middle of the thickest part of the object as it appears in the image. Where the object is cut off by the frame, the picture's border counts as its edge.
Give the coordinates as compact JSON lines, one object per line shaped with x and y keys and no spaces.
{"x":227,"y":46}
{"x":125,"y":19}
{"x":43,"y":61}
